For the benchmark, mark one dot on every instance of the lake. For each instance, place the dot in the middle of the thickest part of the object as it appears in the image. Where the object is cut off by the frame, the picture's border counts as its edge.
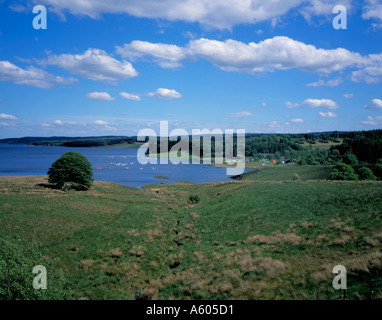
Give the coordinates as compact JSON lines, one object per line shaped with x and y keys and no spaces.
{"x":114,"y":165}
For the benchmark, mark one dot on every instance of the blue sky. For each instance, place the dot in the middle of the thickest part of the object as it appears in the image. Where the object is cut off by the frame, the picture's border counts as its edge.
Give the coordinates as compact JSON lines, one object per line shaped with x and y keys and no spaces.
{"x":116,"y":67}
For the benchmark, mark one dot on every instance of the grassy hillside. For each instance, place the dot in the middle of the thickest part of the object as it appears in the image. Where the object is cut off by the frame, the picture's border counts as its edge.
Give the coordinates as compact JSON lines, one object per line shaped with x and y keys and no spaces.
{"x":263,"y":238}
{"x":287,"y":173}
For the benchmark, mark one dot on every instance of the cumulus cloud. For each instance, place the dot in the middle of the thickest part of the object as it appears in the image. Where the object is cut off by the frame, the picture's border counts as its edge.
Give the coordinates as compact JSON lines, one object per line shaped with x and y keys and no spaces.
{"x":375,"y":104}
{"x":327,"y":114}
{"x":322,"y":7}
{"x":291,"y":105}
{"x":320,"y":103}
{"x":240,"y":114}
{"x":93,"y":64}
{"x":371,"y":72}
{"x":31,"y":76}
{"x":298,"y":120}
{"x":58,"y":122}
{"x":278,"y":53}
{"x":7,"y":116}
{"x":163,"y":93}
{"x":166,"y":55}
{"x":104,"y":96}
{"x":349,"y":95}
{"x":220,"y":14}
{"x":130,"y":96}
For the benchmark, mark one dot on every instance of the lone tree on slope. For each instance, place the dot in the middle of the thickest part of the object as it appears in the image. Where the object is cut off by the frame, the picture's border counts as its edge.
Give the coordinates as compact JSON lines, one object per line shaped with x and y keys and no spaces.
{"x":71,"y":167}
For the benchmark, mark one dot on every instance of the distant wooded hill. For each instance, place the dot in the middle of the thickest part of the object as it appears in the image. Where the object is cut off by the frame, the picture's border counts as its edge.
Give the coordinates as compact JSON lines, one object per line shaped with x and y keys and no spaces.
{"x":72,"y":141}
{"x":310,"y":148}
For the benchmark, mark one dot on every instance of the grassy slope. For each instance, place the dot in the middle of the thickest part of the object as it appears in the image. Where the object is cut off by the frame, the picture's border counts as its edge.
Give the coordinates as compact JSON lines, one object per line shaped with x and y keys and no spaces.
{"x":266,"y":238}
{"x":322,"y":146}
{"x":288,"y":172}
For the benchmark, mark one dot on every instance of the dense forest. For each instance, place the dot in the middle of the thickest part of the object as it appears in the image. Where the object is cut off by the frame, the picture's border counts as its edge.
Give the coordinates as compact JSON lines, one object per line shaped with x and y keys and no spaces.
{"x":312,"y":149}
{"x":71,"y":141}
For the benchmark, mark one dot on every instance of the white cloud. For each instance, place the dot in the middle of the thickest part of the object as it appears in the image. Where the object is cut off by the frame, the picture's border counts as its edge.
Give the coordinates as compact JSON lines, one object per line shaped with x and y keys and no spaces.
{"x":329,"y":83}
{"x":278,"y":53}
{"x":372,"y":121}
{"x":59,"y":123}
{"x":31,"y":76}
{"x":349,"y":95}
{"x":375,"y":104}
{"x":373,"y":10}
{"x":18,"y":8}
{"x":297,"y":120}
{"x":264,"y":104}
{"x":327,"y":114}
{"x":70,"y":125}
{"x":104,"y":96}
{"x":163,"y":93}
{"x":104,"y":126}
{"x":322,"y":7}
{"x":240,"y":114}
{"x":166,"y":55}
{"x":46,"y":125}
{"x":93,"y":64}
{"x":100,"y":122}
{"x":130,"y":96}
{"x":220,"y":14}
{"x":321,"y":103}
{"x":371,"y":72}
{"x":274,"y":124}
{"x":7,"y":116}
{"x":291,"y":105}
{"x":318,"y":83}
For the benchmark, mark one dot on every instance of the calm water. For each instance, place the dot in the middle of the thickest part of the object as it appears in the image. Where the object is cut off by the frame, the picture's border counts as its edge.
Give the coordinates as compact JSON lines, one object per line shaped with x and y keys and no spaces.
{"x":113,"y":165}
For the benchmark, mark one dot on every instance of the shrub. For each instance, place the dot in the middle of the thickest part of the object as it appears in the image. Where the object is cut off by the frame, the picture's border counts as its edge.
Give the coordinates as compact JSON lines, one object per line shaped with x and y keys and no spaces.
{"x":302,"y":162}
{"x":350,"y":158}
{"x":378,"y":170}
{"x":67,"y":186}
{"x":342,"y":171}
{"x":71,"y":167}
{"x":17,"y":259}
{"x":194,"y":198}
{"x":365,"y":173}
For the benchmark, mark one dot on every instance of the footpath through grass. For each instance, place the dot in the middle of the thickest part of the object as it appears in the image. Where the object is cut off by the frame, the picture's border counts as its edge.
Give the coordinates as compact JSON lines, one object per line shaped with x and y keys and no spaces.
{"x":260,"y":238}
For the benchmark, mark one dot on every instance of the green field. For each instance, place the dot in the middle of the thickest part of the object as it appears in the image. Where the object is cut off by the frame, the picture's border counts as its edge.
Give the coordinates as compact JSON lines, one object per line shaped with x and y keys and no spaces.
{"x":276,"y":234}
{"x":322,"y":146}
{"x":288,"y":172}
